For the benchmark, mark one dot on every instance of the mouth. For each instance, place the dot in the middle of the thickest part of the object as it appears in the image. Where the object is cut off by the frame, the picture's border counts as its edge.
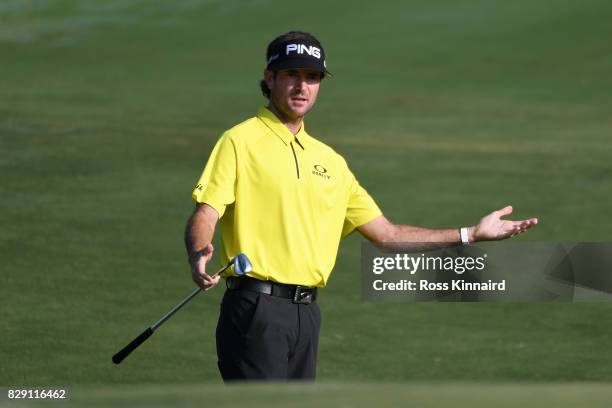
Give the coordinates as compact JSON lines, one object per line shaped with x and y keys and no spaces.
{"x":299,"y":99}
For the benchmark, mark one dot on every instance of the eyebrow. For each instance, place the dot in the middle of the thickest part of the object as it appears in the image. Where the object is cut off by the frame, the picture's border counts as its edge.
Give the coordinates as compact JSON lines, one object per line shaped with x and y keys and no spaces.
{"x":308,"y":72}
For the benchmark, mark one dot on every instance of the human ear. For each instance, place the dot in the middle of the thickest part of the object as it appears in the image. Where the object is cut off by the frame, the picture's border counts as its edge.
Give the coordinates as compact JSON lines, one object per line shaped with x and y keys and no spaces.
{"x":269,"y":78}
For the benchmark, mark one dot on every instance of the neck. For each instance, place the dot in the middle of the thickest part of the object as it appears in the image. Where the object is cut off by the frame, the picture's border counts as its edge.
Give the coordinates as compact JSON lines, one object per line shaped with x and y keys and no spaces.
{"x":293,"y":124}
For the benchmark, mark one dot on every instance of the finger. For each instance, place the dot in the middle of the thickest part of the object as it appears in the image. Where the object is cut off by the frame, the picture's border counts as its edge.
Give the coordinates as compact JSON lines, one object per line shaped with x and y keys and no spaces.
{"x":522,"y":226}
{"x":525,"y":223}
{"x":201,"y":277}
{"x":208,"y":252}
{"x":200,"y":282}
{"x":211,"y":280}
{"x":518,"y":225}
{"x":206,"y":278}
{"x":504,"y":211}
{"x":526,"y":226}
{"x":212,"y":283}
{"x":198,"y":275}
{"x":210,"y":248}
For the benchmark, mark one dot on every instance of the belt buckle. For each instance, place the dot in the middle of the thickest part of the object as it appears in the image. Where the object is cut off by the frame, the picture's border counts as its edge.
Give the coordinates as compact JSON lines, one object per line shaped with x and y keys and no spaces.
{"x":302,"y":295}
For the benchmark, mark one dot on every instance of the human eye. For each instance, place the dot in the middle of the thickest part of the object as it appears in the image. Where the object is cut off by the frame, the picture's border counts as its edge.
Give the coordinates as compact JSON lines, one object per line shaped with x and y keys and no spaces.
{"x":313,"y":76}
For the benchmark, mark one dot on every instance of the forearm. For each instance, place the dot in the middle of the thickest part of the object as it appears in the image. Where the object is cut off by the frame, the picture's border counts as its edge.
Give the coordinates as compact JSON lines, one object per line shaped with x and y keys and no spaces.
{"x":409,"y":233}
{"x":407,"y":237}
{"x":200,"y":229}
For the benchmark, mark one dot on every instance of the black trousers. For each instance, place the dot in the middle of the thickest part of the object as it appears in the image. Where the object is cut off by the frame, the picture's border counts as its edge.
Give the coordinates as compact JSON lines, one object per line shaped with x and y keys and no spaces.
{"x":264,"y":337}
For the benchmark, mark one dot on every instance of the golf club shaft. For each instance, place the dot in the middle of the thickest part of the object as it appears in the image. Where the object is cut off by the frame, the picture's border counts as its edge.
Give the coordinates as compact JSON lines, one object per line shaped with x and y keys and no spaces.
{"x":176,"y":308}
{"x":133,"y":345}
{"x":124,"y":352}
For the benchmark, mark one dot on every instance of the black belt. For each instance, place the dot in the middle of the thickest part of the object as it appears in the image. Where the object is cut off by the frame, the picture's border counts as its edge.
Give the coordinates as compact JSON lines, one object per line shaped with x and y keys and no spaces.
{"x":297,"y":293}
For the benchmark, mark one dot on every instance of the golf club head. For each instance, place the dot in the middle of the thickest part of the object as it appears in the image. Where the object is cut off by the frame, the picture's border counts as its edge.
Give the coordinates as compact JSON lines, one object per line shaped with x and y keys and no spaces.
{"x":242,"y":265}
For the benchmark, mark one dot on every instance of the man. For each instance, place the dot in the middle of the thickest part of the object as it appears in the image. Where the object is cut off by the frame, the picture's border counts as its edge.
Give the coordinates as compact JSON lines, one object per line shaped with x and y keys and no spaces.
{"x":286,"y":199}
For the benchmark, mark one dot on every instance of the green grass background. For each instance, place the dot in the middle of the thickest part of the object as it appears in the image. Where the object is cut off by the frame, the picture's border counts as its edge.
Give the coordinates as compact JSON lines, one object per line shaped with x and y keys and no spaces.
{"x":445,"y":110}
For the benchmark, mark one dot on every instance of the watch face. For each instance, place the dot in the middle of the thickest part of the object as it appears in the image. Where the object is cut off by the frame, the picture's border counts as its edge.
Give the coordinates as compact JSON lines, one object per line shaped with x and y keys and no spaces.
{"x":464,"y":235}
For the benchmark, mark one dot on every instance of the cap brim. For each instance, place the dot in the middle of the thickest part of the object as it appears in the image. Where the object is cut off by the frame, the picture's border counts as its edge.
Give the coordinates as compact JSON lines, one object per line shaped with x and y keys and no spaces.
{"x":296,"y":63}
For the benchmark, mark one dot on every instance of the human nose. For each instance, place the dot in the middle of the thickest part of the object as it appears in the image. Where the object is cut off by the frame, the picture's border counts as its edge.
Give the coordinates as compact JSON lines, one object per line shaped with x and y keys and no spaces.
{"x":301,"y":81}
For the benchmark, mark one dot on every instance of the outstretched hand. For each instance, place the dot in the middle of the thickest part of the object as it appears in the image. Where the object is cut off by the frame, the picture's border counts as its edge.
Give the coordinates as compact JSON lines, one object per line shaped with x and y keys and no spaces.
{"x":493,"y":228}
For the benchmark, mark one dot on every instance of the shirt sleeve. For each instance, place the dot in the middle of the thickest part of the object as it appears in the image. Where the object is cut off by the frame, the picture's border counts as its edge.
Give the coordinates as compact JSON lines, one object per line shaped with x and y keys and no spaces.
{"x":217,"y":184}
{"x":361,"y":207}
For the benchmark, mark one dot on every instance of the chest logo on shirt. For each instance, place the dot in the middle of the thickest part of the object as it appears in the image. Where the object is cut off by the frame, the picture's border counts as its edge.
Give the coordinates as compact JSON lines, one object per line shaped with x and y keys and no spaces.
{"x":320,"y":171}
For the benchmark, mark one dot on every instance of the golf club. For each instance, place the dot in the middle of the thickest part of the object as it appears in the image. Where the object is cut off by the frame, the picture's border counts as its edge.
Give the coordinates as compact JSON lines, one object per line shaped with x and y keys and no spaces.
{"x":242,"y":266}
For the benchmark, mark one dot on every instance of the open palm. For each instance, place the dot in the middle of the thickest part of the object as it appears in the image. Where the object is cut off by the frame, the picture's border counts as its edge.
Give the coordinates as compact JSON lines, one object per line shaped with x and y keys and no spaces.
{"x":492,"y":227}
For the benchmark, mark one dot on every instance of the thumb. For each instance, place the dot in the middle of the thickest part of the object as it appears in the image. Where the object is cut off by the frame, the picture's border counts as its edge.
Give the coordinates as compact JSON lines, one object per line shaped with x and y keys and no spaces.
{"x":505,"y":211}
{"x":208,"y":251}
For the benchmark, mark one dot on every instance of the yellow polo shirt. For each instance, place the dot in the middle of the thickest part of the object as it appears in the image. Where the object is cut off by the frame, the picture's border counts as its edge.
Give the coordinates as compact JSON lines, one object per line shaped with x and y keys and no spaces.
{"x":284,"y":200}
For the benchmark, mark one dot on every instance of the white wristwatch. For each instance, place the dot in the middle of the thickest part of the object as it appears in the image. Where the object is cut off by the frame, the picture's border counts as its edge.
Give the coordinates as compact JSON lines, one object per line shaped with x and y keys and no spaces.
{"x":463,"y":231}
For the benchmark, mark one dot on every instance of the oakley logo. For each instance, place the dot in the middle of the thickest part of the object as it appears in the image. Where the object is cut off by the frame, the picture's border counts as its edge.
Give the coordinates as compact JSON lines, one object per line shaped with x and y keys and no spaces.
{"x":272,"y":58}
{"x":320,"y":171}
{"x":301,"y":49}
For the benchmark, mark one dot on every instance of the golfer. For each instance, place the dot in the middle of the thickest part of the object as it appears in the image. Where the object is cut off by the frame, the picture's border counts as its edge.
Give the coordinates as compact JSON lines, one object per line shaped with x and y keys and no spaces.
{"x":286,"y":199}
